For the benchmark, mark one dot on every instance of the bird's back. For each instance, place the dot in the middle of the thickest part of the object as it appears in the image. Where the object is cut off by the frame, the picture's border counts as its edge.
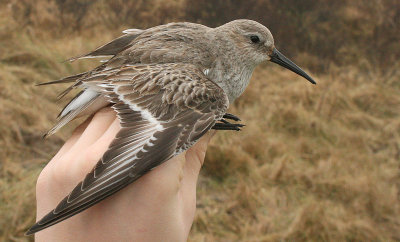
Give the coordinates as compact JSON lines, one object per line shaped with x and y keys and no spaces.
{"x":170,"y":43}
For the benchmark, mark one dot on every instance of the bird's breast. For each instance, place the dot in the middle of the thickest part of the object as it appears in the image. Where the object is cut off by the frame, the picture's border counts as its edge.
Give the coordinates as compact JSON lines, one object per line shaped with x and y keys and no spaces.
{"x":232,"y":80}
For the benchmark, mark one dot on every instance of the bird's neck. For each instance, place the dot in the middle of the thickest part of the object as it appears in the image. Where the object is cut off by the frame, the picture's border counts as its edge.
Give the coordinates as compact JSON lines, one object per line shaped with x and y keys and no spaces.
{"x":233,"y":78}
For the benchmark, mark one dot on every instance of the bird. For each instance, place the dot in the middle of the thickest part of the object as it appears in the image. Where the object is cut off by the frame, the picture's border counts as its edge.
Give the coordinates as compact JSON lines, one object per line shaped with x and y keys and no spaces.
{"x":169,"y":85}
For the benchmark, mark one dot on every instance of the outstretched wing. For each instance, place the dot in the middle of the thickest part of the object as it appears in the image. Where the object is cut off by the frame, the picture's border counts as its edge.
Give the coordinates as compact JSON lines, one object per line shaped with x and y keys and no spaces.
{"x":163,"y":110}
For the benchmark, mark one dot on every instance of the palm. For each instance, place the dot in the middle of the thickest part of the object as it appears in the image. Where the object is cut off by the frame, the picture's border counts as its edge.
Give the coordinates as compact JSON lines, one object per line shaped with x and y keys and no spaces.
{"x":160,"y":206}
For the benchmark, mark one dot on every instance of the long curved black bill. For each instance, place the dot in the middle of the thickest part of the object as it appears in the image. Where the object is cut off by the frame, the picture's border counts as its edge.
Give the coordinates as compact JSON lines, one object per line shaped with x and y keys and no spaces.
{"x":281,"y":60}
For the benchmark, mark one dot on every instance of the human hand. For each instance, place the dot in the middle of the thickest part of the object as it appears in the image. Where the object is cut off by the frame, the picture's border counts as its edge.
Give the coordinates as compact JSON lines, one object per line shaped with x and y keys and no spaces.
{"x":159,"y":206}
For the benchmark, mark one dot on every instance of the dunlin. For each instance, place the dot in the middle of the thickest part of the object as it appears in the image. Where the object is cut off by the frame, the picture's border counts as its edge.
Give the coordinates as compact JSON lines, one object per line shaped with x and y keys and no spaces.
{"x":169,"y":85}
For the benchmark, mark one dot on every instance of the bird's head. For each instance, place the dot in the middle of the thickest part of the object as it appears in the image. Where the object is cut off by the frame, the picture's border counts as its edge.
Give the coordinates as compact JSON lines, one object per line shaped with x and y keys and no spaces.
{"x":257,"y":45}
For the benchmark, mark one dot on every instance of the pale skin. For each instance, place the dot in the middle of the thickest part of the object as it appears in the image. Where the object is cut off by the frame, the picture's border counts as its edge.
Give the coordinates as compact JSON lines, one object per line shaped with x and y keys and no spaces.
{"x":160,"y":206}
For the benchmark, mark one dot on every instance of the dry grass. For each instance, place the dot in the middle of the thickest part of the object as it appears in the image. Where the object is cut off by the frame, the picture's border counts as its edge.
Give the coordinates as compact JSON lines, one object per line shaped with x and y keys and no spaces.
{"x":314,"y":163}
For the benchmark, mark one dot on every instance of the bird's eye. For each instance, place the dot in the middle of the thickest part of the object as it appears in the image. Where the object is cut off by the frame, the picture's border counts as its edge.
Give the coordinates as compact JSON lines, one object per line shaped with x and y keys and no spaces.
{"x":254,"y":39}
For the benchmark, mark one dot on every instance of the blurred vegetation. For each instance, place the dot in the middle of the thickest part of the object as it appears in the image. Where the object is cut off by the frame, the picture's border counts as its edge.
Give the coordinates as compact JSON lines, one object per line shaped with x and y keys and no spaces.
{"x":330,"y":31}
{"x":314,"y":163}
{"x":322,"y":31}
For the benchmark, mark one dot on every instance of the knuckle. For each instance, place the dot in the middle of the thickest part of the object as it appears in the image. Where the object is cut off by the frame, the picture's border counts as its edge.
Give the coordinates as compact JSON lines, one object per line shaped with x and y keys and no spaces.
{"x":200,"y":154}
{"x":60,"y":175}
{"x":63,"y":174}
{"x":196,"y":156}
{"x":42,"y":183}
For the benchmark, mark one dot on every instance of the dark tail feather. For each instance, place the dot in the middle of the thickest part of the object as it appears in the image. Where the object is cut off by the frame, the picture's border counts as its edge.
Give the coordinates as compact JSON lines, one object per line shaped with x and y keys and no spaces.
{"x":64,"y":80}
{"x":65,"y":92}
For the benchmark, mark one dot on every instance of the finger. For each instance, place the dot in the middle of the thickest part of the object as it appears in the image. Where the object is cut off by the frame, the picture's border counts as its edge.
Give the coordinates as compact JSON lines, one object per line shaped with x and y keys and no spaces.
{"x":194,"y":161}
{"x":95,"y":151}
{"x":99,"y":124}
{"x":196,"y":154}
{"x":104,"y":141}
{"x":183,"y":166}
{"x":76,"y":134}
{"x":74,"y":160}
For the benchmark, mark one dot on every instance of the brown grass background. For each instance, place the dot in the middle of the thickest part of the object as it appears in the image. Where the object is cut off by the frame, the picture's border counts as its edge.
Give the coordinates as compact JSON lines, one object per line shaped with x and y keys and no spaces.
{"x":314,"y":163}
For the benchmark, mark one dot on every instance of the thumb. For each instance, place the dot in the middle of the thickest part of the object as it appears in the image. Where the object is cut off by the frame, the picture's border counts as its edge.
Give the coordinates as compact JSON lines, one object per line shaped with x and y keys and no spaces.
{"x":195,"y":156}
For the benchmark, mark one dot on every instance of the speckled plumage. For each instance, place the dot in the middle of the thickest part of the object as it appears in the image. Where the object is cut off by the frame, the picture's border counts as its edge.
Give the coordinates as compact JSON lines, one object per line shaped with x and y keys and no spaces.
{"x":169,"y":85}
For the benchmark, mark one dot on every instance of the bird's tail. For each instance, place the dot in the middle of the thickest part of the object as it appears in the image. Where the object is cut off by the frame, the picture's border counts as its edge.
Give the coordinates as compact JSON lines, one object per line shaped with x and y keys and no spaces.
{"x":86,"y":102}
{"x":113,"y":47}
{"x":67,"y":79}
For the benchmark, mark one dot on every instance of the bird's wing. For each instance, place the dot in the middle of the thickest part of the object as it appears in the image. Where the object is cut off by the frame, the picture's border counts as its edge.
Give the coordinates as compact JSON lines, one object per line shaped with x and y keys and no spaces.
{"x":163,"y":110}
